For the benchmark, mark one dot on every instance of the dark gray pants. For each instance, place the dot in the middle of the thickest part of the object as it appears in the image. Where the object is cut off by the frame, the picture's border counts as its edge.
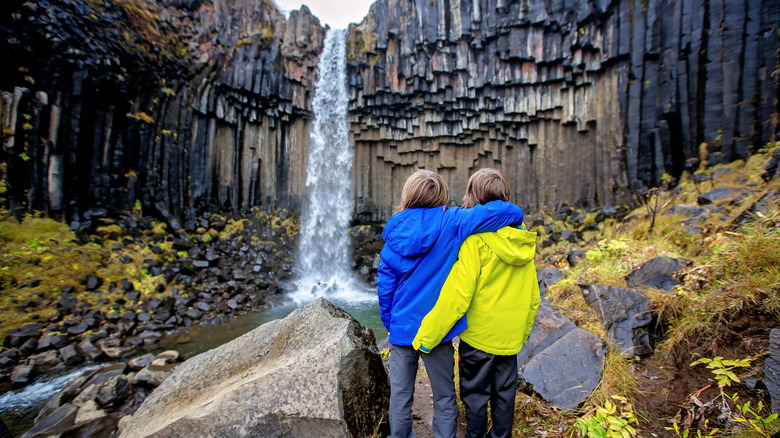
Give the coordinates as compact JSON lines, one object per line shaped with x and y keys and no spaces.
{"x":487,"y":377}
{"x":439,"y":364}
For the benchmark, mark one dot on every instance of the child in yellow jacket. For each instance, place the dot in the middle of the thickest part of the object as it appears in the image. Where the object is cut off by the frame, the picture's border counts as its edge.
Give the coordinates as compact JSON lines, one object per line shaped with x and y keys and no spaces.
{"x":493,"y":283}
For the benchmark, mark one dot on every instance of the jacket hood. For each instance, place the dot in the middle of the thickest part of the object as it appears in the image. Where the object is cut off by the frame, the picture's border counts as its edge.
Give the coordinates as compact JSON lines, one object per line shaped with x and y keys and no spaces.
{"x":512,"y":245}
{"x":413,"y":232}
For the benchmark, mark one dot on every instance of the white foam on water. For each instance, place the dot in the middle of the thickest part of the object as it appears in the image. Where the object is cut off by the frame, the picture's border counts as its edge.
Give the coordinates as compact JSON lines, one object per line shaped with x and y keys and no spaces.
{"x":38,"y":392}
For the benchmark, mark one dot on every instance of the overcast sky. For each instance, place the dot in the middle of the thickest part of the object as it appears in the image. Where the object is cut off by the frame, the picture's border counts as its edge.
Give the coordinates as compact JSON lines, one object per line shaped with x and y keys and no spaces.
{"x":337,"y":13}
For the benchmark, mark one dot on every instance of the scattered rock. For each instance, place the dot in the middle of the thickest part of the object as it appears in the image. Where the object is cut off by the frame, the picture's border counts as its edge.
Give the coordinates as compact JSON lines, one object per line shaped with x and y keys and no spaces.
{"x":193,"y":314}
{"x":657,"y":273}
{"x":112,"y":348}
{"x":625,"y":314}
{"x":18,"y":336}
{"x":721,"y":194}
{"x":47,"y":358}
{"x":140,"y":362}
{"x":93,"y":282}
{"x":153,"y":375}
{"x":575,"y":257}
{"x":21,"y":374}
{"x":52,"y":341}
{"x":547,"y":277}
{"x":56,"y":423}
{"x":70,"y":356}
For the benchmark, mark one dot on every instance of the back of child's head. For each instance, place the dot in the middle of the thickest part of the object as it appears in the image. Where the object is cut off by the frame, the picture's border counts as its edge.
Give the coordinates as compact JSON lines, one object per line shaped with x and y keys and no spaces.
{"x":424,"y":189}
{"x":486,"y":185}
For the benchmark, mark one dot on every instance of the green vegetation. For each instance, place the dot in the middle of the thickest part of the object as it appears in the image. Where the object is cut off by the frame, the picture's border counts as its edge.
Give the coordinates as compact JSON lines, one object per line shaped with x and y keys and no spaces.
{"x":735,"y":271}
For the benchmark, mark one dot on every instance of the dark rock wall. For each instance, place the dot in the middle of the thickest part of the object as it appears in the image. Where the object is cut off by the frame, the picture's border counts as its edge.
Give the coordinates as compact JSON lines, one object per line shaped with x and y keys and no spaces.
{"x":198,"y":104}
{"x":575,"y":101}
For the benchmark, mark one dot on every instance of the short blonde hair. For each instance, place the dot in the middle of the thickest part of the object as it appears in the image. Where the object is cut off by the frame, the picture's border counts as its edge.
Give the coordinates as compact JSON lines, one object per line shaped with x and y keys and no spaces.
{"x":424,"y":189}
{"x":486,"y":185}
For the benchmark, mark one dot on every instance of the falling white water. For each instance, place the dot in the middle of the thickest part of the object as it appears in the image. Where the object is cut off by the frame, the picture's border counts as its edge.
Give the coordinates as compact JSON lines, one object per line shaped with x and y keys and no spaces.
{"x":323,"y":259}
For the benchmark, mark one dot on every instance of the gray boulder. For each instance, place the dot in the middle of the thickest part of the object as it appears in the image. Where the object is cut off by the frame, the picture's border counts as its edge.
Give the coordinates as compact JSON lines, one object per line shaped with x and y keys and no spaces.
{"x":626,"y":316}
{"x":696,"y":215}
{"x":560,"y":362}
{"x":657,"y":273}
{"x":21,"y":374}
{"x":721,"y":194}
{"x":56,"y":423}
{"x":547,"y":277}
{"x":772,"y":370}
{"x":316,"y":372}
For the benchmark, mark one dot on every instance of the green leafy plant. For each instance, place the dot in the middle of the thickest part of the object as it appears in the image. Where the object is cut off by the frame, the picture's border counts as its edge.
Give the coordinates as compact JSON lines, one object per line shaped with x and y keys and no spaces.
{"x":722,"y":369}
{"x":754,"y":417}
{"x":608,"y":421}
{"x":686,"y":433}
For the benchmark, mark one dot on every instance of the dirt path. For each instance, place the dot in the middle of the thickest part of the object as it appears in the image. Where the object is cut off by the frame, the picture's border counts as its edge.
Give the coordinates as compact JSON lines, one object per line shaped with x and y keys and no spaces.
{"x":422,"y":409}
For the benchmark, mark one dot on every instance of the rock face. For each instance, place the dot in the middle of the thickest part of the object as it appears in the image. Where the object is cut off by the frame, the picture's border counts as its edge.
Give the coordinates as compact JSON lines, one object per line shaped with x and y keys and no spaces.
{"x":191,"y":106}
{"x":315,"y":373}
{"x":625,"y":314}
{"x":560,"y":361}
{"x":184,"y":106}
{"x":579,"y":101}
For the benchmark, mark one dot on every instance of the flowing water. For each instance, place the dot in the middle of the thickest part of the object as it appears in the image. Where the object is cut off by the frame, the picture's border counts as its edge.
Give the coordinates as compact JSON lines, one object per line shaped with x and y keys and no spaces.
{"x":324,"y":255}
{"x":323,"y":266}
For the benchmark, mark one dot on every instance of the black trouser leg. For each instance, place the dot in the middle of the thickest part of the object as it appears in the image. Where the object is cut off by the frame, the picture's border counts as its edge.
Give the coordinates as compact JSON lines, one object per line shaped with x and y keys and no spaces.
{"x":502,"y":397}
{"x":474,"y":388}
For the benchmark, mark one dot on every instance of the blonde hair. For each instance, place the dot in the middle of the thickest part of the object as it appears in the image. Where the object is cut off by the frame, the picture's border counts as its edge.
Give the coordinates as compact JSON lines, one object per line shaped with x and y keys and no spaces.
{"x":486,"y":185}
{"x":424,"y":189}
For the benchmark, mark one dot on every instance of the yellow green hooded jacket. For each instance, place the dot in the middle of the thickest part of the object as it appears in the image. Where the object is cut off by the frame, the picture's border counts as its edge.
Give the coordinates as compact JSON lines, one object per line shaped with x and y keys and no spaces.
{"x":494,"y":283}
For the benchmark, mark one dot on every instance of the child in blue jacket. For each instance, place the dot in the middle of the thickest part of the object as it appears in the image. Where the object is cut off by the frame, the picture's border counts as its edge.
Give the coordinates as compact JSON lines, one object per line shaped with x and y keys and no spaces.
{"x":421,"y":245}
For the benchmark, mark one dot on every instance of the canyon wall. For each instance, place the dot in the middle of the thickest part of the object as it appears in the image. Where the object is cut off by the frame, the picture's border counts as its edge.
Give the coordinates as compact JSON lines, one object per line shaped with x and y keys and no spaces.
{"x":576,"y":101}
{"x":186,"y":105}
{"x":195,"y":105}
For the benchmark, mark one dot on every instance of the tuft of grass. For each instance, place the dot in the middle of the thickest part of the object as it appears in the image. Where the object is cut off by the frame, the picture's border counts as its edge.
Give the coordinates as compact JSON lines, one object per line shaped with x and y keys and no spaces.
{"x":618,"y":379}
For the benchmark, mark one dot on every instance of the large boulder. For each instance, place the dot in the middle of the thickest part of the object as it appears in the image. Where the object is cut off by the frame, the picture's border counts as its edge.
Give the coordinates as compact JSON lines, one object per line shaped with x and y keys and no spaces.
{"x":657,"y":273}
{"x":560,"y":362}
{"x":316,"y":372}
{"x":626,"y":316}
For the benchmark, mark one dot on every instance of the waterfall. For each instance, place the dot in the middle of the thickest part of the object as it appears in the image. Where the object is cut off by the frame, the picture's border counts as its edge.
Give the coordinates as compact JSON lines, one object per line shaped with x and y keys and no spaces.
{"x":323,"y":256}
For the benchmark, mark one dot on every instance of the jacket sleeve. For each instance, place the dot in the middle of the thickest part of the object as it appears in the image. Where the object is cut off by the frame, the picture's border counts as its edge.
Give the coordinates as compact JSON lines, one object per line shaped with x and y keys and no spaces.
{"x":386,"y":283}
{"x":488,"y":217}
{"x":535,"y":300}
{"x":454,"y":299}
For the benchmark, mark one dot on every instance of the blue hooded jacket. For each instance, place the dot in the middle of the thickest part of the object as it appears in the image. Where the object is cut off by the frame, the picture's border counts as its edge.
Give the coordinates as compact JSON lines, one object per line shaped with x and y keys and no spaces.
{"x":421,"y":246}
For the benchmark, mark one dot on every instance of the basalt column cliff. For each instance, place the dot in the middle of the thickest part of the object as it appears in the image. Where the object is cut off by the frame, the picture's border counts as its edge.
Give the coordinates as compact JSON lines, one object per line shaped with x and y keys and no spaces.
{"x":196,"y":105}
{"x":185,"y":105}
{"x":576,"y":101}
